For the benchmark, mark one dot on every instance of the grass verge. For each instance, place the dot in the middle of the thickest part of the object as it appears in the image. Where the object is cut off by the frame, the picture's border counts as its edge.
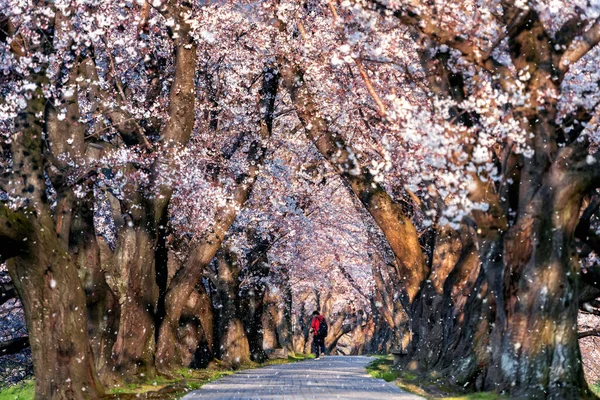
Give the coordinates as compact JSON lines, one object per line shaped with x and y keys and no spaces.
{"x":21,"y":391}
{"x":427,"y":386}
{"x":157,"y":388}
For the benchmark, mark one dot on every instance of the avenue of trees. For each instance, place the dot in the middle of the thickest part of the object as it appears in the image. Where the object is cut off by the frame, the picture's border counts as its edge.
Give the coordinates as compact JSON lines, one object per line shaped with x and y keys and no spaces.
{"x":183,"y":181}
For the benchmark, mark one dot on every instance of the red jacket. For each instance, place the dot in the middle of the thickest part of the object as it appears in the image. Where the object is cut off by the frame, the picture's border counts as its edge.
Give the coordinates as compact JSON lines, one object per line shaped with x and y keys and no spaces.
{"x":316,"y":322}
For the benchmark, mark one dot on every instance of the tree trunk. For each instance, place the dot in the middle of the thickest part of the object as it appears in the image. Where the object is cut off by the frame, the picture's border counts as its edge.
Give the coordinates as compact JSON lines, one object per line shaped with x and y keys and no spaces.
{"x":252,"y":297}
{"x":181,"y":286}
{"x":452,"y":314}
{"x":541,"y":295}
{"x":54,"y":306}
{"x":467,"y":311}
{"x":133,"y":351}
{"x":195,"y":336}
{"x":233,"y":342}
{"x":203,"y":313}
{"x":277,"y":319}
{"x":270,"y":319}
{"x":42,"y":270}
{"x":428,"y":329}
{"x":102,"y":304}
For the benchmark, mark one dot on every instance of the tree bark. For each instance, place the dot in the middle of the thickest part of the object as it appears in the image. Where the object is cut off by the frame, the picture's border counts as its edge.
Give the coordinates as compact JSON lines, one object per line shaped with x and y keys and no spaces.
{"x":427,"y":311}
{"x":102,"y":305}
{"x":252,"y":295}
{"x":54,"y":306}
{"x":233,"y":342}
{"x":541,"y":296}
{"x":277,"y":318}
{"x":133,"y":351}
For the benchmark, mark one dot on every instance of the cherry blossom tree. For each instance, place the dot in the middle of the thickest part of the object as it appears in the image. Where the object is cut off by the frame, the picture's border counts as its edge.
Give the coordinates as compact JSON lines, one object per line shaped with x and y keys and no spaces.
{"x":188,"y":180}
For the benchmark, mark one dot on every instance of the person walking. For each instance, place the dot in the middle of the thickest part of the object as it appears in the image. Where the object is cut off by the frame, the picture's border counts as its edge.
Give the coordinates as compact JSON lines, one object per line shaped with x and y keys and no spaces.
{"x":318,"y":328}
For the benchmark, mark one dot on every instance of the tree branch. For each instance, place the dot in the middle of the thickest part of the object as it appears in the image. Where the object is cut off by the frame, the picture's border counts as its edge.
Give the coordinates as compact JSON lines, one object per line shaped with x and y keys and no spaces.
{"x":14,"y":346}
{"x":592,"y":332}
{"x":580,"y":47}
{"x":121,"y":120}
{"x":430,"y":28}
{"x":570,"y":30}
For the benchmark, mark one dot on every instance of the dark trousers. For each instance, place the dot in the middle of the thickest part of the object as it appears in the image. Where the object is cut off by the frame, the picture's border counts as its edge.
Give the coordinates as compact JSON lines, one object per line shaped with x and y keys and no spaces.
{"x":319,"y":345}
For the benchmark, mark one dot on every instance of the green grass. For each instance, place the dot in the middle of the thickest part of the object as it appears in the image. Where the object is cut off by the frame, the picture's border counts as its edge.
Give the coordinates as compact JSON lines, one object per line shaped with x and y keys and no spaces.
{"x":21,"y":391}
{"x":426,"y":386}
{"x":595,"y":387}
{"x":184,"y":380}
{"x":381,"y":368}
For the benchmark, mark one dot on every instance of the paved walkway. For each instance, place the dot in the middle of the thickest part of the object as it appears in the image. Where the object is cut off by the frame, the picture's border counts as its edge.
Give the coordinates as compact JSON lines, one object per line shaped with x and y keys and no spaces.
{"x":334,"y":377}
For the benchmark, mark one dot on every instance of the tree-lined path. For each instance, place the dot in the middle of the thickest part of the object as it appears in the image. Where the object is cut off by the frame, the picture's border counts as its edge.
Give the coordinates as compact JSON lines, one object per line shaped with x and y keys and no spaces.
{"x":331,"y":378}
{"x":183,"y":183}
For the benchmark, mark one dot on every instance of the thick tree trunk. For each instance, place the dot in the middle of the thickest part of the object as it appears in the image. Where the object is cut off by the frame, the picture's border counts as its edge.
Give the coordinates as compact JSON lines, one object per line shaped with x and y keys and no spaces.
{"x":339,"y":325}
{"x":284,"y":328}
{"x":42,"y":270}
{"x":541,"y":296}
{"x":195,"y":336}
{"x":54,"y":306}
{"x":176,"y":134}
{"x":201,"y":315}
{"x":428,"y":329}
{"x":467,"y":312}
{"x":277,"y":319}
{"x":133,"y":351}
{"x":269,"y":327}
{"x":391,"y":312}
{"x":252,"y":297}
{"x":181,"y":286}
{"x":233,"y":342}
{"x":102,"y":304}
{"x":252,"y":317}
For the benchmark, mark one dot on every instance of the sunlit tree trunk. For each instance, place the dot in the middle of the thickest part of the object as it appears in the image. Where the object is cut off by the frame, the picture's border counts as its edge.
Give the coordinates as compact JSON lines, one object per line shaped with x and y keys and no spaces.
{"x":233,"y":341}
{"x":540,"y":295}
{"x":428,"y":327}
{"x":133,"y":350}
{"x":276,"y":319}
{"x":138,"y":270}
{"x":55,"y":306}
